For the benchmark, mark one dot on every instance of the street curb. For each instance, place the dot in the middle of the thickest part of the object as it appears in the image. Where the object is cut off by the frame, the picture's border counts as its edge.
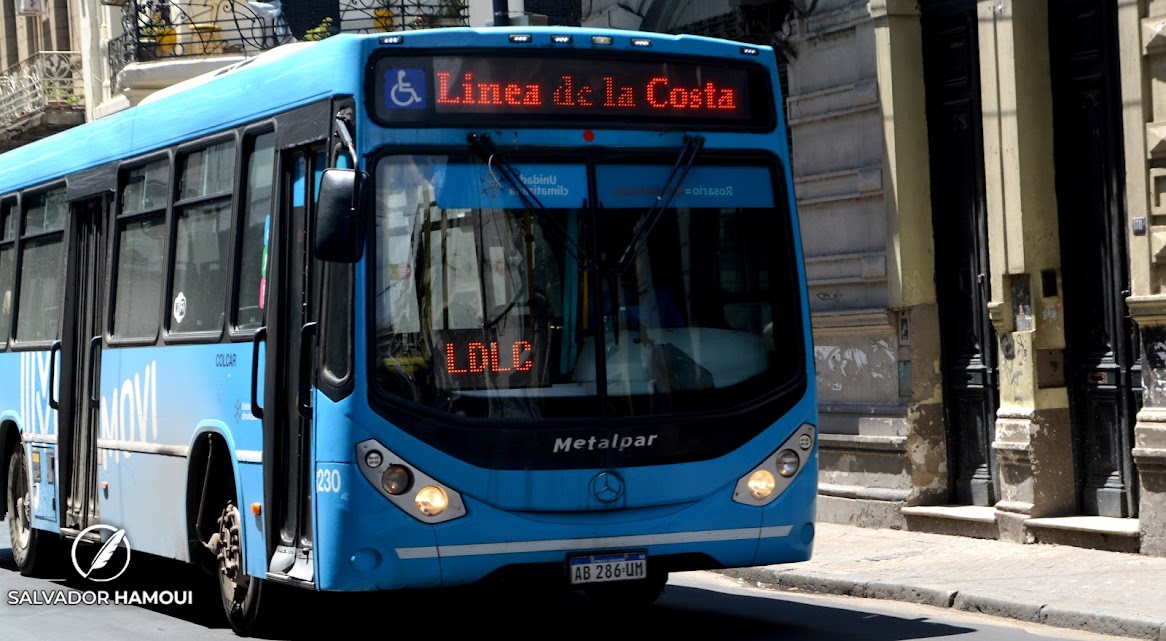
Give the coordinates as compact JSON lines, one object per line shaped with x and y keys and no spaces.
{"x":1105,"y":624}
{"x":910,"y":593}
{"x":969,"y":601}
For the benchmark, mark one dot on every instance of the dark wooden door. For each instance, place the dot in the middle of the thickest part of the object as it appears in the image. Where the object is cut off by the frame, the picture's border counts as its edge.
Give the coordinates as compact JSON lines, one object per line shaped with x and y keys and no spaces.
{"x":952,"y":76}
{"x":1100,"y":344}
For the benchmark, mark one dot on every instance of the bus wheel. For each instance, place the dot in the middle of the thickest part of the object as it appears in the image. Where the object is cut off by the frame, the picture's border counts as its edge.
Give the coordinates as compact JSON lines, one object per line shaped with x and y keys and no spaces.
{"x":240,"y":591}
{"x":30,"y":547}
{"x":640,"y":593}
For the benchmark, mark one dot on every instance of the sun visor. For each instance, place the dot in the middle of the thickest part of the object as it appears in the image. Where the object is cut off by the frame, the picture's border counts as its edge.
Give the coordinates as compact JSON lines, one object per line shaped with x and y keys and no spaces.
{"x":481,"y":186}
{"x":638,"y":186}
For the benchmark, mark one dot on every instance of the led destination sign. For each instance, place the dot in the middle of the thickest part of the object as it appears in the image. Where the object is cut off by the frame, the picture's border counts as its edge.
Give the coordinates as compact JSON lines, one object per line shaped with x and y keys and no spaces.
{"x":485,"y":359}
{"x":447,"y":88}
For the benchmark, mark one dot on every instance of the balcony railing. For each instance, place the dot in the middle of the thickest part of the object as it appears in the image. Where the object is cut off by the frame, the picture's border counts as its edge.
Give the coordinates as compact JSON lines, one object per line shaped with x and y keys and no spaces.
{"x":368,"y":16}
{"x":165,"y":29}
{"x":46,"y":80}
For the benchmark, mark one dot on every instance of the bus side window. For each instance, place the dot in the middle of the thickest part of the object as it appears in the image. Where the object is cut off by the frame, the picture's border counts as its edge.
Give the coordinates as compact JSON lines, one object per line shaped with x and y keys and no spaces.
{"x":40,"y":273}
{"x":7,"y":267}
{"x":137,"y":281}
{"x":255,"y":232}
{"x":200,"y":243}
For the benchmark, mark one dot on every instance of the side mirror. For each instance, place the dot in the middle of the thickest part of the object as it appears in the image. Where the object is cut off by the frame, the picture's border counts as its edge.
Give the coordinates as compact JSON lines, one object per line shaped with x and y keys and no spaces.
{"x":339,"y":226}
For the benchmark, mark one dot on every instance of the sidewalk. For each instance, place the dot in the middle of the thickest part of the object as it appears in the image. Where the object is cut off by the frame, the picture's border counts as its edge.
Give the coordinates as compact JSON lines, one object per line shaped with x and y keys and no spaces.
{"x":1104,"y":592}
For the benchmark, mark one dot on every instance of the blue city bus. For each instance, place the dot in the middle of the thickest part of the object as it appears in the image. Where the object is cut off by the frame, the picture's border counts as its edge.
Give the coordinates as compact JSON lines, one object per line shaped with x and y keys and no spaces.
{"x":417,"y":310}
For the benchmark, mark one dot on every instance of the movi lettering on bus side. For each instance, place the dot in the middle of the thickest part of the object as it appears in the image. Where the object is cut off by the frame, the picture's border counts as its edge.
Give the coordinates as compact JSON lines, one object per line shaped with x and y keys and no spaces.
{"x":38,"y":416}
{"x":129,"y":414}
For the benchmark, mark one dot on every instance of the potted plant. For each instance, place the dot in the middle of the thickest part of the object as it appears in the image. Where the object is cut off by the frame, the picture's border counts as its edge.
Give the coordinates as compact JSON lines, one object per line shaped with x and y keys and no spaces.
{"x":450,"y":13}
{"x":159,"y":33}
{"x":382,"y":17}
{"x":320,"y":31}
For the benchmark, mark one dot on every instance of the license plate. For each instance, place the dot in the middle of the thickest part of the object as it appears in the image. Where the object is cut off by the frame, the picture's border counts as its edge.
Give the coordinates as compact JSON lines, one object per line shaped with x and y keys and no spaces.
{"x":600,"y":568}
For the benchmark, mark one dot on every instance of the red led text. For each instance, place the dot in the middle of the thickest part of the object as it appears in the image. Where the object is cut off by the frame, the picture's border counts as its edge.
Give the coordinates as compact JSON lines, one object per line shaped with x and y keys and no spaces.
{"x":708,"y":96}
{"x":486,"y":93}
{"x":572,"y":92}
{"x":479,"y":357}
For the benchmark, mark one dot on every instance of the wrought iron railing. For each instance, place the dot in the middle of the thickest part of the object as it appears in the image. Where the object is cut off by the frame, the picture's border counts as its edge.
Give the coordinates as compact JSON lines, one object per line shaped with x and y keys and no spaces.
{"x":163,"y":29}
{"x":367,"y":16}
{"x":47,"y":79}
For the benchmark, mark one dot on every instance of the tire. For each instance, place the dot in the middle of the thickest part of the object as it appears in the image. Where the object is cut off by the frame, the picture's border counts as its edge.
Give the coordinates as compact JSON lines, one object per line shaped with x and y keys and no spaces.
{"x":248,"y":602}
{"x":32,"y":549}
{"x":642,"y":593}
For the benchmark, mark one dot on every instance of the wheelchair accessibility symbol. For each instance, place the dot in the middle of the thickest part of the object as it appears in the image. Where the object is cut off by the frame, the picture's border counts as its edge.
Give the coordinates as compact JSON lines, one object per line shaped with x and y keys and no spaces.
{"x":405,"y":88}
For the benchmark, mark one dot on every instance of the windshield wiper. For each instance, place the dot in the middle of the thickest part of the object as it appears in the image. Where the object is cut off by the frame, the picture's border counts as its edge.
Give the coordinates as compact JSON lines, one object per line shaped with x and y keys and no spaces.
{"x":489,"y":153}
{"x":639,"y":239}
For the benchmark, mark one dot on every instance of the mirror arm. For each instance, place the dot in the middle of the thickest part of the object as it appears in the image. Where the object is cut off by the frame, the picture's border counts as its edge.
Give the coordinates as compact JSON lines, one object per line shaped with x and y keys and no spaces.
{"x":345,"y":138}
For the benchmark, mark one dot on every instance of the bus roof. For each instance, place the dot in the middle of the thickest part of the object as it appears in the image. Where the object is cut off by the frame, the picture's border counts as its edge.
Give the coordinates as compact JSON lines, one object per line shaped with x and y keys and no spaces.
{"x":272,"y":82}
{"x":293,"y":75}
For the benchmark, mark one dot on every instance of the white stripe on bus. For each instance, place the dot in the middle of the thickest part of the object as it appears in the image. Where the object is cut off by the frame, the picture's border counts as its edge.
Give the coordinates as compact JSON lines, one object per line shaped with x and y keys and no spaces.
{"x":566,"y":545}
{"x":144,"y":448}
{"x":182,"y":451}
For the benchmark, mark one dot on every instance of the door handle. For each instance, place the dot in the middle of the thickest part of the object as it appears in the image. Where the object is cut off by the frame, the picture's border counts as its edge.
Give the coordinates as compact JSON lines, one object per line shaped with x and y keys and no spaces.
{"x":53,"y":351}
{"x":260,"y":336}
{"x":307,"y":358}
{"x":94,"y":371}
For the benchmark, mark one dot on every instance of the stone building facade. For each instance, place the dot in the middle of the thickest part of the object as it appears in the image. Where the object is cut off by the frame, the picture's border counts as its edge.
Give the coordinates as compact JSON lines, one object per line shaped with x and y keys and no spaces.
{"x":982,"y":193}
{"x":41,"y":89}
{"x":979,"y":187}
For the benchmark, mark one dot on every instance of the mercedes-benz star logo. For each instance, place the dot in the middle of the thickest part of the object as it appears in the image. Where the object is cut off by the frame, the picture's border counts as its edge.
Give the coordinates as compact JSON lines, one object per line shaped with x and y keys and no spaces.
{"x":607,"y":486}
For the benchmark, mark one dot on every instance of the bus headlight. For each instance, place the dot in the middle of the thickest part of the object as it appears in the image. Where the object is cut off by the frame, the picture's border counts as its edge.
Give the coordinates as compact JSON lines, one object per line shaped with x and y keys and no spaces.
{"x":761,"y":484}
{"x":788,"y":463}
{"x":432,"y":500}
{"x":410,"y":489}
{"x":397,"y":480}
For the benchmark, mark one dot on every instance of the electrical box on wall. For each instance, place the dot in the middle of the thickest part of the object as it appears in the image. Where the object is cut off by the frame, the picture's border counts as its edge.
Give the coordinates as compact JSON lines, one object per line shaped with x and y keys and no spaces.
{"x":29,"y":7}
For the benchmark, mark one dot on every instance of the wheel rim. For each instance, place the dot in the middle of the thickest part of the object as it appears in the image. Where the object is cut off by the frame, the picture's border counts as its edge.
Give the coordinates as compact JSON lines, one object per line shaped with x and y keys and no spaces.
{"x":233,"y":581}
{"x":19,"y":508}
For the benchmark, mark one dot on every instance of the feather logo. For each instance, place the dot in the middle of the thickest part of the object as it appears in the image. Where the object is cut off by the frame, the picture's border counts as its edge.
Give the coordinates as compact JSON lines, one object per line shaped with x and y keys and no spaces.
{"x":105,"y":554}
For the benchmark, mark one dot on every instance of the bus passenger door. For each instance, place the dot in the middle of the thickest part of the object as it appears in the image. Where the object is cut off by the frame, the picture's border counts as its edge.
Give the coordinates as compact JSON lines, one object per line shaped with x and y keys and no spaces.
{"x":81,"y":338}
{"x":291,"y":363}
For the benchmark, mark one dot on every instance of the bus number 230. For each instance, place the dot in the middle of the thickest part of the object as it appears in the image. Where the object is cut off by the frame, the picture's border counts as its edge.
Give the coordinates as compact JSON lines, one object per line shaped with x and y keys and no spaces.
{"x":328,"y":480}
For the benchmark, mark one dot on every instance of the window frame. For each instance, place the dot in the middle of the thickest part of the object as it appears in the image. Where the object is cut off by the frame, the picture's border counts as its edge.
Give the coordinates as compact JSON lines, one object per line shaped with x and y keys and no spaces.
{"x":176,"y":206}
{"x":22,"y":241}
{"x":246,"y":149}
{"x":13,"y":243}
{"x":115,"y":233}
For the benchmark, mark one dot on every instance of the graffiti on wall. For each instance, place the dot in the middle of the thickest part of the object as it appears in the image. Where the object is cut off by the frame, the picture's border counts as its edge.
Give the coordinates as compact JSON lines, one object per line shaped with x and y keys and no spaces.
{"x":838,"y":366}
{"x":1154,"y":342}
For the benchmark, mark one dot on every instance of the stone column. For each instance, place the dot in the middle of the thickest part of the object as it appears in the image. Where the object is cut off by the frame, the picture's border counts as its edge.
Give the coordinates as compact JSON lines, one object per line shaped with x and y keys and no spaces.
{"x":1033,"y":442}
{"x":1142,"y":42}
{"x":910,"y":243}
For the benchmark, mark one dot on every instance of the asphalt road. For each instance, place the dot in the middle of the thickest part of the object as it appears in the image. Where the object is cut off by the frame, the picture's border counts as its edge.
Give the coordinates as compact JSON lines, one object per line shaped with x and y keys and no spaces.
{"x":707,"y":604}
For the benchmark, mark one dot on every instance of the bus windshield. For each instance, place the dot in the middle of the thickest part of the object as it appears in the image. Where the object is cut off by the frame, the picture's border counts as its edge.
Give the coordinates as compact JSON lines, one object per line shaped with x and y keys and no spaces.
{"x":487,"y":309}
